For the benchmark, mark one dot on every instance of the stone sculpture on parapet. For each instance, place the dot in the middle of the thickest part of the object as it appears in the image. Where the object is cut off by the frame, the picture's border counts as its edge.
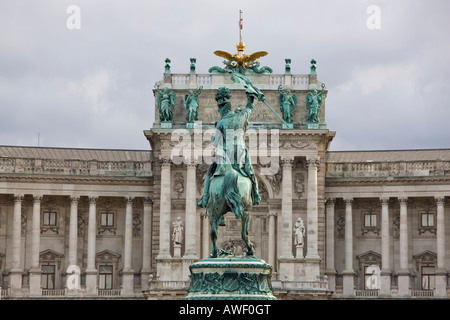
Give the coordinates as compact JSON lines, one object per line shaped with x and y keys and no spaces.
{"x":191,"y":105}
{"x":313,"y":103}
{"x":165,"y":104}
{"x":288,"y":103}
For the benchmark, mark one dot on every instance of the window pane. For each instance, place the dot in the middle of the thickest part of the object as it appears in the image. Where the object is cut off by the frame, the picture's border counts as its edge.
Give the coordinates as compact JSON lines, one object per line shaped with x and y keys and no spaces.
{"x":105,"y":269}
{"x":103,"y":222}
{"x":52,"y":221}
{"x":45,"y":219}
{"x":44,"y":281}
{"x":110,"y":219}
{"x":424,"y":220}
{"x":431,"y":220}
{"x":374,"y":220}
{"x":101,"y":280}
{"x":51,"y":281}
{"x":108,"y":282}
{"x":48,"y":269}
{"x":367,"y":220}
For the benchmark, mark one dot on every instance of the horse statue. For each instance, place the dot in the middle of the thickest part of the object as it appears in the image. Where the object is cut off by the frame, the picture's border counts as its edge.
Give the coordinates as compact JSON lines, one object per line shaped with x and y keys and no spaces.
{"x":230,"y":183}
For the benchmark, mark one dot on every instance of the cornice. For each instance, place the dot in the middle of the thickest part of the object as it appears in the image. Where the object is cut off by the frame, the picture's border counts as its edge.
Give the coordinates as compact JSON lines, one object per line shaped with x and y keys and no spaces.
{"x":386,"y":180}
{"x":37,"y":178}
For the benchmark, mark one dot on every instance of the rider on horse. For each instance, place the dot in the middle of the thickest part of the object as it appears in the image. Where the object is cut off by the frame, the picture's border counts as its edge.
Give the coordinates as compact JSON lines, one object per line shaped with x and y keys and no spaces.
{"x":234,"y":155}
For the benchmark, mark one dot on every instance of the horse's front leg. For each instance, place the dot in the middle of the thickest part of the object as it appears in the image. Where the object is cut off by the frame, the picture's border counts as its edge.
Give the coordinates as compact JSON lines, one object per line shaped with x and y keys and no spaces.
{"x":244,"y":234}
{"x":213,"y":234}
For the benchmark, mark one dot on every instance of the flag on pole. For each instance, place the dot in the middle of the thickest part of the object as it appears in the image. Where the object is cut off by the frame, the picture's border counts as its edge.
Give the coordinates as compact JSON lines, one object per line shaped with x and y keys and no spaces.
{"x":240,"y":20}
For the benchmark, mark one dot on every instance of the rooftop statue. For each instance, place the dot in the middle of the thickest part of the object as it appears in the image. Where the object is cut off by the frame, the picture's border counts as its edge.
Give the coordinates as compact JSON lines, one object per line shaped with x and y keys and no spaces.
{"x":191,"y":104}
{"x":313,"y":103}
{"x":288,"y":103}
{"x":240,"y":61}
{"x":165,"y":103}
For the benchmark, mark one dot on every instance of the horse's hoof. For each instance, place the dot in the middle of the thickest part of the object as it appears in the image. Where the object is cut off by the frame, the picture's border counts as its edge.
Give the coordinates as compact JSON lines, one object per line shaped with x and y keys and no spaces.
{"x":222,"y":221}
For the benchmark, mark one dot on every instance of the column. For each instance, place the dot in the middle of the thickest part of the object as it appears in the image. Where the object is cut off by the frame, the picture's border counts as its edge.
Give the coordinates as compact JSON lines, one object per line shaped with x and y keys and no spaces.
{"x":73,"y":230}
{"x":191,"y":212}
{"x":16,"y":270}
{"x":272,"y":240}
{"x":441,"y":272}
{"x":146,"y":242}
{"x":385,"y":274}
{"x":286,"y":209}
{"x":348,"y":273}
{"x":330,"y":221}
{"x":91,"y":271}
{"x":403,"y":273}
{"x":35,"y":270}
{"x":165,"y":210}
{"x":128,"y":272}
{"x":312,"y":209}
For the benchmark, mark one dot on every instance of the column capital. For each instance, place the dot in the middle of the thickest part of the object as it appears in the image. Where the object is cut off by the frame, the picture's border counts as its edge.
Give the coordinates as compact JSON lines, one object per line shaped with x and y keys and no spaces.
{"x":129,"y":200}
{"x":18,"y":197}
{"x":165,"y":162}
{"x":191,"y":165}
{"x":440,"y":199}
{"x":287,"y":162}
{"x":272,"y":214}
{"x":147,"y":201}
{"x":348,"y":201}
{"x":384,"y":201}
{"x":403,"y":201}
{"x":37,"y":199}
{"x":330,"y":202}
{"x":74,"y":199}
{"x":93,"y":200}
{"x":313,"y":162}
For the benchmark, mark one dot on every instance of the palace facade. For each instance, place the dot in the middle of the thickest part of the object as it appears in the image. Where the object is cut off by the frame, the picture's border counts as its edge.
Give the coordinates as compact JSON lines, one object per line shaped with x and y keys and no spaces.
{"x":97,"y":224}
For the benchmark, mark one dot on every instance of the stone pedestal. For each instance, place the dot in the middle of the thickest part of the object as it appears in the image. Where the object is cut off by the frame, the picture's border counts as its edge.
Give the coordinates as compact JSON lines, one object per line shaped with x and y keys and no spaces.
{"x":299,"y":251}
{"x":166,"y":125}
{"x":35,"y":283}
{"x":127,"y":282}
{"x":246,"y":278}
{"x":177,"y":251}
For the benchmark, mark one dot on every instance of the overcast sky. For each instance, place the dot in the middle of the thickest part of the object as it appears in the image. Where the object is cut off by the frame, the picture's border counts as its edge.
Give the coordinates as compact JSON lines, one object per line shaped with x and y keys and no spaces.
{"x":389,"y":88}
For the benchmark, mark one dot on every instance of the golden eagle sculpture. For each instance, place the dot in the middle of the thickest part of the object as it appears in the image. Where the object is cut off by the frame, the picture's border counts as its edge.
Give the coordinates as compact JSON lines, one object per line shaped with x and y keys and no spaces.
{"x":240,"y":59}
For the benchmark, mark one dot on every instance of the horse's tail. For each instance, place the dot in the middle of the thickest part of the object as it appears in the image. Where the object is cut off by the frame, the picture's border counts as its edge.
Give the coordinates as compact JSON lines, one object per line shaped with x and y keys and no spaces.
{"x":231,"y":193}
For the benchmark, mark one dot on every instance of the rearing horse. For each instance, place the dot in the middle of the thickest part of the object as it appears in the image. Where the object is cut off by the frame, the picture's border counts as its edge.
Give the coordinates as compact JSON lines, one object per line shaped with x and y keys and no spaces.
{"x":230,"y":192}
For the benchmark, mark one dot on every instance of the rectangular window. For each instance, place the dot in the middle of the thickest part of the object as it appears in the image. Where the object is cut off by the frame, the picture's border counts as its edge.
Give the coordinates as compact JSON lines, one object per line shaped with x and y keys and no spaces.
{"x":107,"y":219}
{"x":370,"y":220}
{"x":49,"y":218}
{"x":428,"y":278}
{"x":427,"y":219}
{"x":105,"y":277}
{"x":48,"y":277}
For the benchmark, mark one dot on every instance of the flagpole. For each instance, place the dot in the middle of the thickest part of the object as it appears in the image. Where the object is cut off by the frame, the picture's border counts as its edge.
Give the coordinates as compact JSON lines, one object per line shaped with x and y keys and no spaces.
{"x":240,"y":26}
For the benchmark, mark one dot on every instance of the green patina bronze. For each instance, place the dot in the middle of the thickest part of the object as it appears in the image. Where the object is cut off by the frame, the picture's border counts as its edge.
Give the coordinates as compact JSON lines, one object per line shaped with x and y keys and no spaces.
{"x":246,"y":278}
{"x":167,"y":66}
{"x":193,"y":64}
{"x":313,"y":103}
{"x":231,"y":186}
{"x":287,"y":67}
{"x":288,"y":103}
{"x":230,"y":183}
{"x":166,"y":104}
{"x":313,"y":66}
{"x":191,"y":105}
